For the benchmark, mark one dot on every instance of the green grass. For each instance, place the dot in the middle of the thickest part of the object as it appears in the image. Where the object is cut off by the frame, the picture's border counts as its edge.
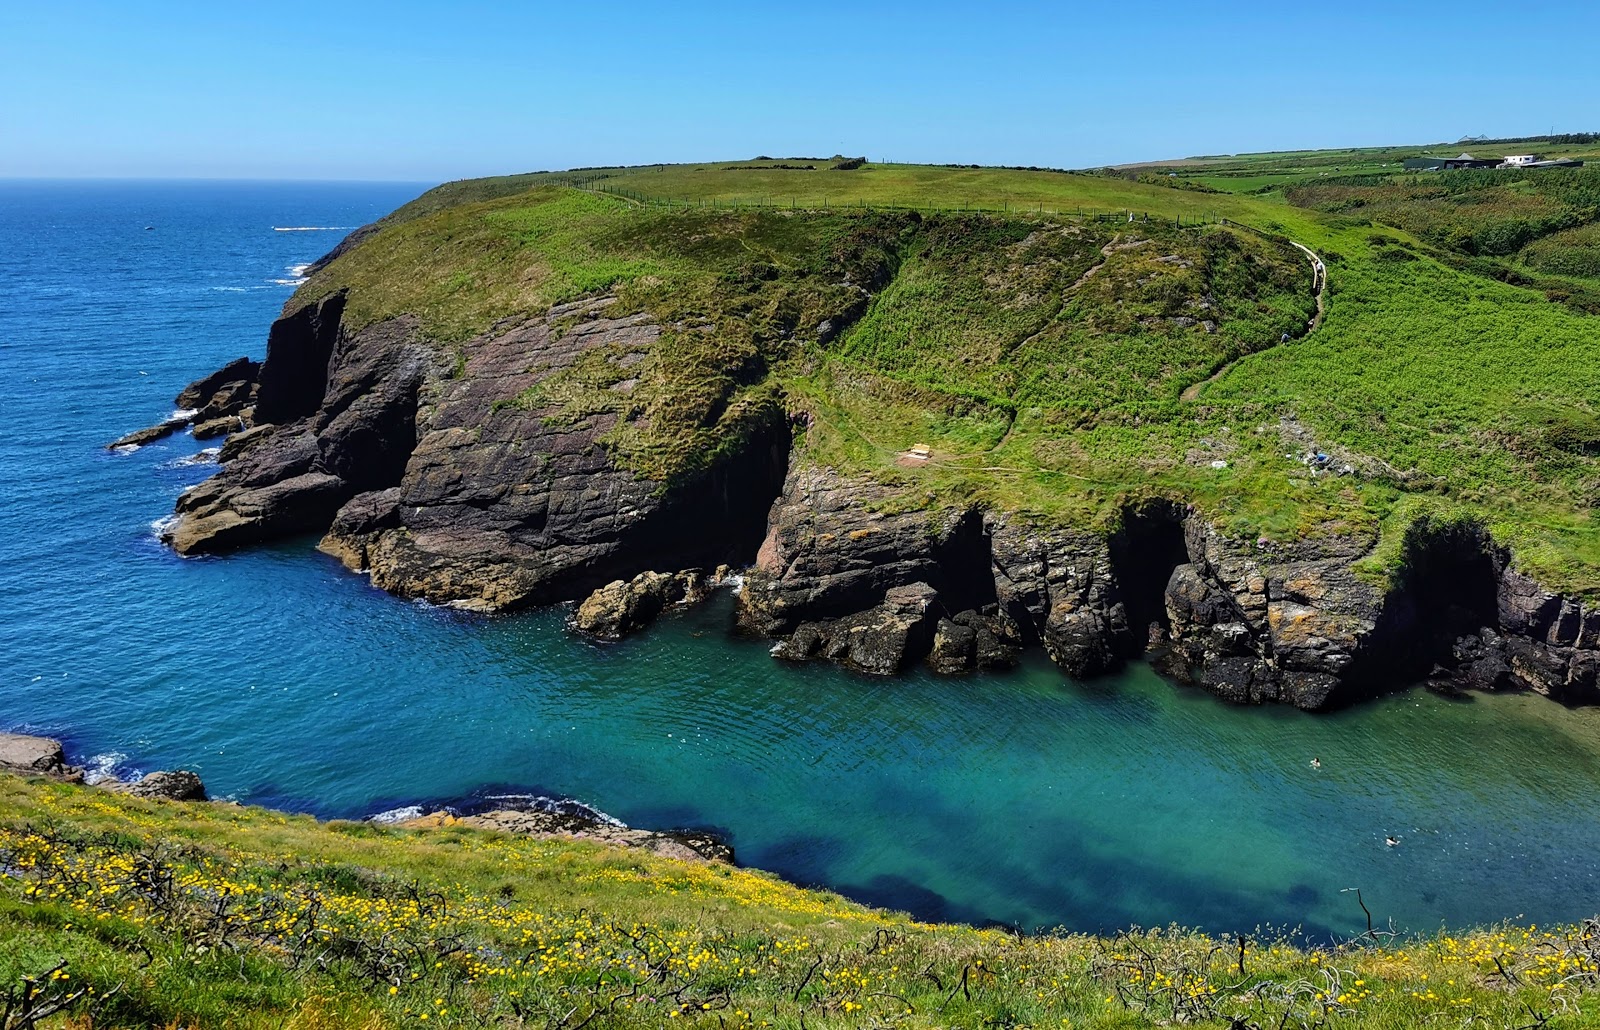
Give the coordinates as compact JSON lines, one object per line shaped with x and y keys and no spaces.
{"x":1435,"y":377}
{"x":135,"y":914}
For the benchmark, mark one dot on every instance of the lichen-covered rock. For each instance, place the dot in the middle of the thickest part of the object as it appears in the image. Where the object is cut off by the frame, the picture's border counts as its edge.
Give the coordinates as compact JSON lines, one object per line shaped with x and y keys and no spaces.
{"x":623,"y":606}
{"x":683,"y":845}
{"x":954,"y":649}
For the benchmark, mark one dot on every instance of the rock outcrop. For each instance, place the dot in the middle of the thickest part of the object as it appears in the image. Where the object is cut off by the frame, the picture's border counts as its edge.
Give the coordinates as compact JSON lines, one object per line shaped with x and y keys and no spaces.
{"x":39,"y":756}
{"x":625,"y":606}
{"x":686,"y":846}
{"x":25,"y":755}
{"x":444,"y":477}
{"x":215,"y":405}
{"x":1249,"y":621}
{"x":219,"y":403}
{"x":180,"y":785}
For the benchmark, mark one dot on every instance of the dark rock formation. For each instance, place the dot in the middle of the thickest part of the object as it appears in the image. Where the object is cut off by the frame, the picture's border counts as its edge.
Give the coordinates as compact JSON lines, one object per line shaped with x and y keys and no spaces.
{"x":198,"y":393}
{"x":180,"y":785}
{"x":880,"y":641}
{"x":227,"y":393}
{"x":292,"y":380}
{"x":832,"y":550}
{"x":437,"y":474}
{"x":1250,"y":622}
{"x":625,"y":606}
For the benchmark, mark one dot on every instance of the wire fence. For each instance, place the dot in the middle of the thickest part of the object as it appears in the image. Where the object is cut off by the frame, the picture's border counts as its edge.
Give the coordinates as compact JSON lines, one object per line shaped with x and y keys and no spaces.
{"x":596,"y":184}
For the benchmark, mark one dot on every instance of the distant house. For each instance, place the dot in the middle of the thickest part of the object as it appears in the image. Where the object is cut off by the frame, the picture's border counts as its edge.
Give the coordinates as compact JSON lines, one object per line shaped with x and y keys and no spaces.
{"x":1468,"y":161}
{"x":1521,"y":160}
{"x":1430,"y":164}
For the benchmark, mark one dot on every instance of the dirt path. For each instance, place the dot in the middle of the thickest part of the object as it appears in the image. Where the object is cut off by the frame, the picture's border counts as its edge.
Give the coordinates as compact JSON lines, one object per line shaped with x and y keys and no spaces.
{"x":1319,"y":279}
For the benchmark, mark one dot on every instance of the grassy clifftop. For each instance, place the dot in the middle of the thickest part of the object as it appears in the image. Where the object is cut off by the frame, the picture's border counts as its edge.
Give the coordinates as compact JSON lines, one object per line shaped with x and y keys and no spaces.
{"x":1054,"y":359}
{"x":117,"y":912}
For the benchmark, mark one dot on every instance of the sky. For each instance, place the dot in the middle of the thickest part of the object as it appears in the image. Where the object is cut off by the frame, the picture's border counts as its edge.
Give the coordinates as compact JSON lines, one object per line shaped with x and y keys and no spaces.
{"x":433,"y":91}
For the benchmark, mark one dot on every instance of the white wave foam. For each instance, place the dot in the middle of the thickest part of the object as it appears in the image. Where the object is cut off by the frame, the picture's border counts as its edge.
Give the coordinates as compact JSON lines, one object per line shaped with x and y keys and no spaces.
{"x":208,"y":456}
{"x":397,"y":815}
{"x":230,"y":289}
{"x":161,"y":525}
{"x":182,"y":413}
{"x":103,"y":767}
{"x":299,"y":270}
{"x":735,"y":583}
{"x":287,"y":282}
{"x":310,"y":228}
{"x":127,"y":448}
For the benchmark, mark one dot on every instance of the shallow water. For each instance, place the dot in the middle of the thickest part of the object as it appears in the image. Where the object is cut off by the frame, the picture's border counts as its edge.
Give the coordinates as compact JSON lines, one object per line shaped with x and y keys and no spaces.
{"x":1021,"y":798}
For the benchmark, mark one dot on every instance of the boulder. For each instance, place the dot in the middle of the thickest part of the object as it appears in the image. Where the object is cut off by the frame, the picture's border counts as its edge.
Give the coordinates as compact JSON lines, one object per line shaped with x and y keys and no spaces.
{"x":31,"y":754}
{"x":880,"y":641}
{"x":219,"y":427}
{"x":177,"y":785}
{"x":623,"y":606}
{"x":954,"y":649}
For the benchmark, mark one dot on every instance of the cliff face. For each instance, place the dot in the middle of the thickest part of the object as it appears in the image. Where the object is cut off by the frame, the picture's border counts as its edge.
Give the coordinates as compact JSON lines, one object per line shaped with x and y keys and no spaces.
{"x":1249,"y":622}
{"x":504,"y":470}
{"x":433,"y":475}
{"x":438,"y":481}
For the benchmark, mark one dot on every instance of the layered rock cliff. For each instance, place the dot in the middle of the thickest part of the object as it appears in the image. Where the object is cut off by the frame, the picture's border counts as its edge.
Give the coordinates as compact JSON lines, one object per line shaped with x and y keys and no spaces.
{"x":522,"y":464}
{"x":434,"y":479}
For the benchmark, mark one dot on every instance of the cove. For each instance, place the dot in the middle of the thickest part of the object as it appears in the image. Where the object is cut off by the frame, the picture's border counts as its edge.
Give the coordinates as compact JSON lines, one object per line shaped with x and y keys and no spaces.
{"x":1024,"y":799}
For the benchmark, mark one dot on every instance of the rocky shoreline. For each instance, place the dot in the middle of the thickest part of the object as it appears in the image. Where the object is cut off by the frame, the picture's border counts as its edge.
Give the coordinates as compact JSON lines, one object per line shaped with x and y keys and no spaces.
{"x":430,"y":470}
{"x":25,"y":755}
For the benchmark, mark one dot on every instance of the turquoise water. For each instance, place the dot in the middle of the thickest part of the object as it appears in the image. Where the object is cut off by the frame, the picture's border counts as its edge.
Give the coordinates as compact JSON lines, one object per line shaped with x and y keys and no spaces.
{"x":1022,"y":799}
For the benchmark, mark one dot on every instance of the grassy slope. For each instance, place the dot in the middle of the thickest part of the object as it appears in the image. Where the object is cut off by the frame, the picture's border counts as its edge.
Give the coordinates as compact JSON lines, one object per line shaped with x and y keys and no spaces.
{"x":1440,"y":384}
{"x":214,"y":915}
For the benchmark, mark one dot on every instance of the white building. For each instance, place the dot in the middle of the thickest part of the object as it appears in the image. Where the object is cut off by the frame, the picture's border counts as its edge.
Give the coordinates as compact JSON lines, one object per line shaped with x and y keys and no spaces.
{"x":1520,"y":160}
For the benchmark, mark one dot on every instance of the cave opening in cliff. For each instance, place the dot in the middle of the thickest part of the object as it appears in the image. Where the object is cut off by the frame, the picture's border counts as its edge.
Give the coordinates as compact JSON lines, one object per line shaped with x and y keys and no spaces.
{"x":744,"y":489}
{"x":1150,"y":545}
{"x":1449,"y":577}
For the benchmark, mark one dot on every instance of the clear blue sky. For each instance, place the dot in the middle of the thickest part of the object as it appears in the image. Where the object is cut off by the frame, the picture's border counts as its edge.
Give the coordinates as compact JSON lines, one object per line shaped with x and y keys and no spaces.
{"x":441,"y":90}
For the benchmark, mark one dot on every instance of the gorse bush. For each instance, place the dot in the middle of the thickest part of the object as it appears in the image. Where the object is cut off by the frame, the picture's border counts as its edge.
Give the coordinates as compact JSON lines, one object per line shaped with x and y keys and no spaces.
{"x":116,"y":912}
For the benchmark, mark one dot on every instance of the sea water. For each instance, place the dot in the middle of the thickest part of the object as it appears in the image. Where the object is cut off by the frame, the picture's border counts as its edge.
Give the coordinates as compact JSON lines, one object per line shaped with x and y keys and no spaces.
{"x":1024,"y":798}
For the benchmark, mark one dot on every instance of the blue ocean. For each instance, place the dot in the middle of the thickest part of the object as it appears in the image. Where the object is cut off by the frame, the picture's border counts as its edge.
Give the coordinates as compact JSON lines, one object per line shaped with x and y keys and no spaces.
{"x":1023,"y":799}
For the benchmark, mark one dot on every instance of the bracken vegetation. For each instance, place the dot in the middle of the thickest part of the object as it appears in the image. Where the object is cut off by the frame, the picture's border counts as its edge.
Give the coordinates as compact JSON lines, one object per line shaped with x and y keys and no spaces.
{"x":116,"y":912}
